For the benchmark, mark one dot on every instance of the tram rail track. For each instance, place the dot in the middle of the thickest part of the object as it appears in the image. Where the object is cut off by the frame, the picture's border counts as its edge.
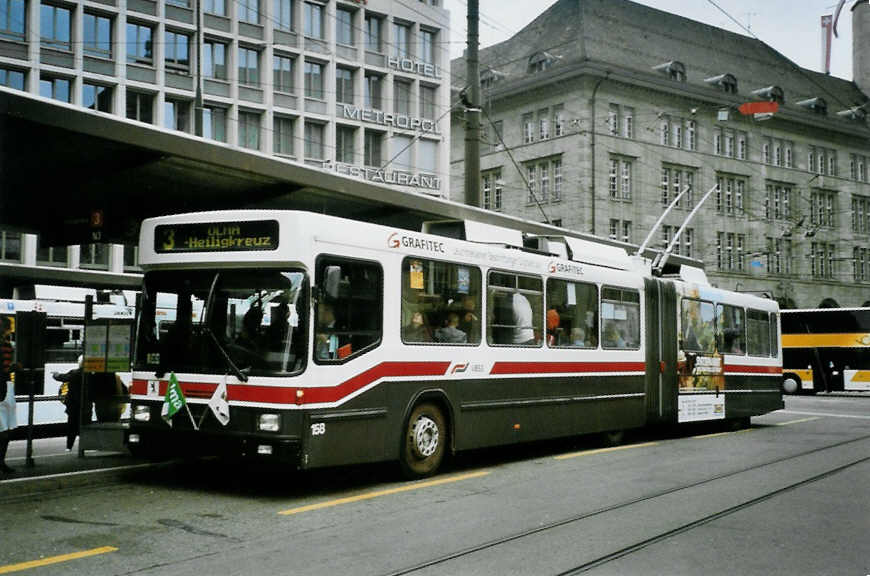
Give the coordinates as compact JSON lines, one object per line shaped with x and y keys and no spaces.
{"x":627,"y":550}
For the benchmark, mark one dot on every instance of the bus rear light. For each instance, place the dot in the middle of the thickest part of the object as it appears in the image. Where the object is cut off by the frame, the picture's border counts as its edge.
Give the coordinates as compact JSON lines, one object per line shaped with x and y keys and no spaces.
{"x":142,"y":413}
{"x":300,"y":394}
{"x":264,"y":450}
{"x":133,"y":439}
{"x":268,"y":423}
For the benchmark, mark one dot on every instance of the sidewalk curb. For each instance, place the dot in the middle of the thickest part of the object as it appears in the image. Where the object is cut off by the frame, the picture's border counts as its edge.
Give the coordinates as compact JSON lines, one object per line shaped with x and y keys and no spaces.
{"x":13,"y":489}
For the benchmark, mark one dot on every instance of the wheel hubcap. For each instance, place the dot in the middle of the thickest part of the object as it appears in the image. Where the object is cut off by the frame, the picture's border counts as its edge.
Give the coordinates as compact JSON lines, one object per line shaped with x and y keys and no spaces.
{"x":425,"y":435}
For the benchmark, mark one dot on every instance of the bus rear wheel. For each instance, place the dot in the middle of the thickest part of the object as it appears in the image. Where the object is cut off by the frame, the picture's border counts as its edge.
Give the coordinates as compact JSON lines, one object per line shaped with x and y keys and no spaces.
{"x":424,"y":441}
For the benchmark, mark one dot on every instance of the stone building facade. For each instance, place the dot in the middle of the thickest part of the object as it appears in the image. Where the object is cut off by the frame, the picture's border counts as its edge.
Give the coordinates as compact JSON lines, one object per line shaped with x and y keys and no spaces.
{"x":599,"y":112}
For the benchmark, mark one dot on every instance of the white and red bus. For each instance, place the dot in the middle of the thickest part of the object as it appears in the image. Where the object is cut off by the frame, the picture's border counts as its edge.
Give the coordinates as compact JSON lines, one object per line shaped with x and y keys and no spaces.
{"x":345,"y":342}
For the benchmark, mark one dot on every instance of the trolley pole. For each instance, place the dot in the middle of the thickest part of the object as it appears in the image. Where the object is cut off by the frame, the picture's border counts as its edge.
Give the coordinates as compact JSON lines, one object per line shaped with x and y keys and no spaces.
{"x":472,"y":109}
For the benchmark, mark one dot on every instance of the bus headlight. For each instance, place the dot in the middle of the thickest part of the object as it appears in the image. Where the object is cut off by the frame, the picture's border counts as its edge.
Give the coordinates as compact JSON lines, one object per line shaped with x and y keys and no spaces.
{"x":269,"y":423}
{"x":142,"y":413}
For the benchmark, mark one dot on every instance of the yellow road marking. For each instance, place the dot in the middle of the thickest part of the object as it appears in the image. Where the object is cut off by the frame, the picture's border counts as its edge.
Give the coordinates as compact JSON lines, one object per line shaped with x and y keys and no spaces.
{"x":9,"y":568}
{"x":798,"y":421}
{"x":723,"y":433}
{"x":387,"y":492}
{"x":603,"y":450}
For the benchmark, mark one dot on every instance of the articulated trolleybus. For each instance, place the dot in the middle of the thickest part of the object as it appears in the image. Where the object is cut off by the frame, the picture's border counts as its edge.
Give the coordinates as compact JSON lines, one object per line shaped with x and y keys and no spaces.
{"x":344,"y":342}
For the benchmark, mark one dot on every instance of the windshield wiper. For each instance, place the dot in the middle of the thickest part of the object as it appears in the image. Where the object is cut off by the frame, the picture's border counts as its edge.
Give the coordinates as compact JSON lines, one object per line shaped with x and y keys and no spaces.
{"x":206,"y":318}
{"x":229,"y":361}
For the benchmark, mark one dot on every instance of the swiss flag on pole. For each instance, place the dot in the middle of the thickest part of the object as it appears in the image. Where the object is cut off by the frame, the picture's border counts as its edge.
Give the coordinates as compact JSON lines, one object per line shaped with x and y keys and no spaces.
{"x":759,"y":108}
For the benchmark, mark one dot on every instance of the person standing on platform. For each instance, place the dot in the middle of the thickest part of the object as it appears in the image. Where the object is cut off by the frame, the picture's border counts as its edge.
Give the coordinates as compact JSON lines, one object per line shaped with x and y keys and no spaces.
{"x":7,"y":392}
{"x":73,"y":401}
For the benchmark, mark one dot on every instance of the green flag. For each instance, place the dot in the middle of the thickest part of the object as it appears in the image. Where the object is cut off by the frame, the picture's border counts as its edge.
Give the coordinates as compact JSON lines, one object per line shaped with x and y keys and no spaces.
{"x":173,"y":401}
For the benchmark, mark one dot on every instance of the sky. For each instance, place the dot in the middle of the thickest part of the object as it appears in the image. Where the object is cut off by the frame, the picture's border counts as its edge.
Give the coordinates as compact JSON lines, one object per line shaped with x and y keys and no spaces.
{"x":790,"y":26}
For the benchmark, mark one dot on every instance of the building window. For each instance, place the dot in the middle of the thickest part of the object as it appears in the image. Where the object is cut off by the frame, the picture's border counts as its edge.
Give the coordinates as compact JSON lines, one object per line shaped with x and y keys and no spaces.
{"x":823,"y":260}
{"x":427,"y":46}
{"x":402,"y":97}
{"x":314,"y":140}
{"x":11,"y":78}
{"x":54,"y":88}
{"x":401,"y":40}
{"x":96,"y":97}
{"x":313,"y":80}
{"x":559,"y":120}
{"x":10,"y":246}
{"x":861,"y":214}
{"x":373,"y":99}
{"x":373,"y":33}
{"x":176,"y":115}
{"x":13,"y":19}
{"x":665,"y":131}
{"x":140,"y":106}
{"x":94,"y":256}
{"x":731,"y":195}
{"x":613,"y":119}
{"x":343,"y":85}
{"x":214,"y":60}
{"x":249,"y":130}
{"x":345,"y":144}
{"x":214,"y":123}
{"x":97,"y":31}
{"x":401,"y":152}
{"x":282,"y":14}
{"x":627,"y":122}
{"x":314,"y":20}
{"x":177,"y":50}
{"x":427,"y":156}
{"x":282,"y":136}
{"x":216,"y":7}
{"x":51,"y":255}
{"x":249,"y":11}
{"x":372,"y":152}
{"x":777,"y":203}
{"x":544,"y":124}
{"x":139,"y":47}
{"x":344,"y":26}
{"x":557,"y":180}
{"x":860,"y":263}
{"x":620,"y":178}
{"x":544,"y":169}
{"x":282,"y":74}
{"x":249,"y":66}
{"x":492,"y":190}
{"x":54,"y":26}
{"x":528,"y":128}
{"x":822,"y":205}
{"x":427,"y":101}
{"x":531,"y":171}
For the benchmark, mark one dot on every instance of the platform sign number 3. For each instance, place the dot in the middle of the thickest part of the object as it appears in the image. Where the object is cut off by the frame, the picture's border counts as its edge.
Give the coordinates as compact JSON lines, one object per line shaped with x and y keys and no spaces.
{"x":318,"y":429}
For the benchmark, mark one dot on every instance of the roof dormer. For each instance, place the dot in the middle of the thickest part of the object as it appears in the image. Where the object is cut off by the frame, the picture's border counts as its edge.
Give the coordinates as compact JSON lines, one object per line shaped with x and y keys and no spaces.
{"x":817,"y":105}
{"x":725,"y":82}
{"x":771,"y":94}
{"x":674,"y":69}
{"x":489,"y":77}
{"x":853,"y":113}
{"x":540,"y":61}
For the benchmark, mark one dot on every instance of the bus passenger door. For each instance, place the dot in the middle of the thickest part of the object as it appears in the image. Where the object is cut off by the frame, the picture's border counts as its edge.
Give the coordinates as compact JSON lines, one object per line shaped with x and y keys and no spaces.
{"x":661,"y":351}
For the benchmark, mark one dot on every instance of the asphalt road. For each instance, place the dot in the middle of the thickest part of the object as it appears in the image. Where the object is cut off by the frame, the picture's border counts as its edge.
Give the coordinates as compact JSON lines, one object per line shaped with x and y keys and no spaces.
{"x":790,"y":495}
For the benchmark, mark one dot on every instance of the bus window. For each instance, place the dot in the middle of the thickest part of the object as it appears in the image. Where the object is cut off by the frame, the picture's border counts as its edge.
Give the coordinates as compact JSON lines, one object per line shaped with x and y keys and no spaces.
{"x":514,"y":309}
{"x":698,"y":326}
{"x":440,"y":302}
{"x":620,"y":318}
{"x":572,"y":314}
{"x":349,"y":311}
{"x":774,"y":335}
{"x":758,"y":327}
{"x":731,"y":329}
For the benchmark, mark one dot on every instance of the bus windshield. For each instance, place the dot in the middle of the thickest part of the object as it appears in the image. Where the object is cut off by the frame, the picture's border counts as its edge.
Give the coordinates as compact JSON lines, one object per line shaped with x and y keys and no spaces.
{"x":223,"y":322}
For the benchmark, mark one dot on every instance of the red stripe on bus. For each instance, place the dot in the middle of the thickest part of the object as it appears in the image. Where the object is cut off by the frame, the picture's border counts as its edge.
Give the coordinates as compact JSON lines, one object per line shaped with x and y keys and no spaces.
{"x":565,"y":367}
{"x":287,"y":395}
{"x":753,"y":369}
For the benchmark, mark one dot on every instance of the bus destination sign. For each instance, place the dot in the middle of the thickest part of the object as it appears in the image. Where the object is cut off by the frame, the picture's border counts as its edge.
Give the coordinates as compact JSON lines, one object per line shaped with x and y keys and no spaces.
{"x":216,"y":237}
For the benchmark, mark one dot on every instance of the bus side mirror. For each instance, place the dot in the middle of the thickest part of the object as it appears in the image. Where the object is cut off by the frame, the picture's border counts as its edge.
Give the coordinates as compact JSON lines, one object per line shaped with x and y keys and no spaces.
{"x":331,"y":281}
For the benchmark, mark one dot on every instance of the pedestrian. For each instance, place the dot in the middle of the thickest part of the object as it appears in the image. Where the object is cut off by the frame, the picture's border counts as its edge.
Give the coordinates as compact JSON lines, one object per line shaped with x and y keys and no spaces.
{"x":7,"y":392}
{"x":73,"y":401}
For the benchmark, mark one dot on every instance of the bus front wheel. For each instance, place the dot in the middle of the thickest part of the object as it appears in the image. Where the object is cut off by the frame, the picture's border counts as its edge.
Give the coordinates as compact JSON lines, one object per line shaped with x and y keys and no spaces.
{"x":791,"y":384}
{"x":424,"y":442}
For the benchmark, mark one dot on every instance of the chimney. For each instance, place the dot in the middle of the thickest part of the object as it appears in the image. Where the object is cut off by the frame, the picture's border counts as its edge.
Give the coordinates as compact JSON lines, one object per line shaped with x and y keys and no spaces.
{"x":861,"y":45}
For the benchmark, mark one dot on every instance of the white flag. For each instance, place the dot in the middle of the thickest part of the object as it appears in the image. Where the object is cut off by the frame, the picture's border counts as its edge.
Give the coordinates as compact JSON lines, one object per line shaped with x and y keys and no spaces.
{"x":218,"y":403}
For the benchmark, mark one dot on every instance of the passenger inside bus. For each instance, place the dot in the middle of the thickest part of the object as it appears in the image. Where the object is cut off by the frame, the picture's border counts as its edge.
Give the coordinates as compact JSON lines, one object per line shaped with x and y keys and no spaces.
{"x":523,"y":333}
{"x":450,"y":333}
{"x":416,"y":330}
{"x":326,"y":341}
